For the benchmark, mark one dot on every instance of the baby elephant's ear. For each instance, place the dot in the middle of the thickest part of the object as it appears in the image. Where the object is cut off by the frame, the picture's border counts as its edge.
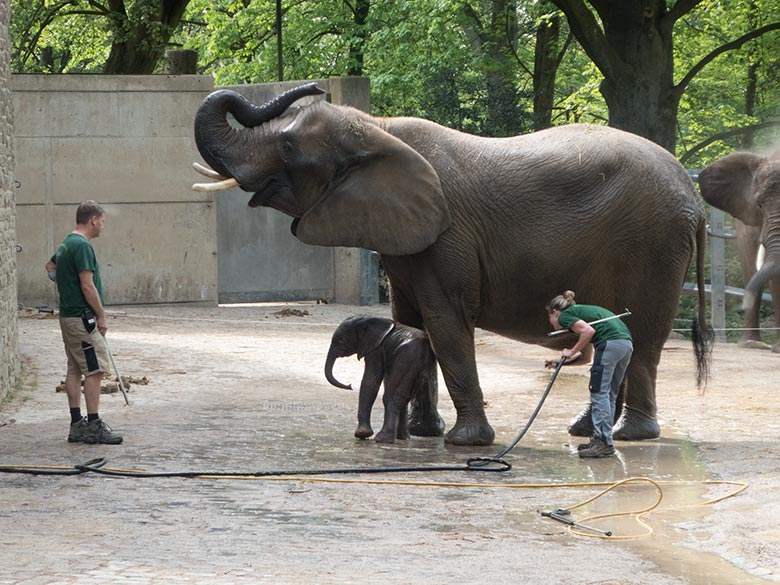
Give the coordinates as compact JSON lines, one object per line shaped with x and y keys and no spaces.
{"x":374,"y":333}
{"x":728,"y":185}
{"x":389,"y":199}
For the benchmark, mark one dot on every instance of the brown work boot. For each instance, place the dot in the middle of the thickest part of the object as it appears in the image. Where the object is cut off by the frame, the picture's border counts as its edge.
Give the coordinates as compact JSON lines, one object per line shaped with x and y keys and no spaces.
{"x":599,"y":449}
{"x":77,"y":429}
{"x":99,"y":432}
{"x":587,"y":445}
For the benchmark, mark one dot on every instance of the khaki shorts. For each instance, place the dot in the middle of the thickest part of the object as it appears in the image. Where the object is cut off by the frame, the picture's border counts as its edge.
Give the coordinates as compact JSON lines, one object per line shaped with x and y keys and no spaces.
{"x":87,"y":352}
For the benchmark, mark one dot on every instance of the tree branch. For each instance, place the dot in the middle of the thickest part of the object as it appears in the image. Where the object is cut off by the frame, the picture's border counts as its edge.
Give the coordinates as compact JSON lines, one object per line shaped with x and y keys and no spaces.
{"x":98,"y":6}
{"x":117,"y":6}
{"x":566,"y":44}
{"x":735,"y":44}
{"x":590,"y":35}
{"x":681,"y":8}
{"x":727,"y":134}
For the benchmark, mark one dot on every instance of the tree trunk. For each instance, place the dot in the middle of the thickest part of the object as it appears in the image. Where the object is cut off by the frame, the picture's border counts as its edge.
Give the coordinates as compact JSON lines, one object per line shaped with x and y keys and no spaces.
{"x":141,"y":39}
{"x":754,"y":58}
{"x":633,"y":49}
{"x":545,"y":69}
{"x":503,"y":112}
{"x":358,"y":42}
{"x":640,"y":91}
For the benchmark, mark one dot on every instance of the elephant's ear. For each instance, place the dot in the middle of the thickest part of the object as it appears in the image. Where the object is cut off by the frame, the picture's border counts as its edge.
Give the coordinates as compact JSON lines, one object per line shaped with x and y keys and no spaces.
{"x":388,"y":199}
{"x":374,"y":333}
{"x":728,"y":185}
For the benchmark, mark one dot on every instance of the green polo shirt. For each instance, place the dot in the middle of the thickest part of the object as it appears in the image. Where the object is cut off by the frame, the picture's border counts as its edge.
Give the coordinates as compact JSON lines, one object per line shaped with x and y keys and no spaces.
{"x":75,"y":255}
{"x":612,"y":329}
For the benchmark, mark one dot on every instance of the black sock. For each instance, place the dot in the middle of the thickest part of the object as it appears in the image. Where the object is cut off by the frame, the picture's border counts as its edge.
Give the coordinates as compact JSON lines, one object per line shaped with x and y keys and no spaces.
{"x":75,"y":415}
{"x":92,"y":416}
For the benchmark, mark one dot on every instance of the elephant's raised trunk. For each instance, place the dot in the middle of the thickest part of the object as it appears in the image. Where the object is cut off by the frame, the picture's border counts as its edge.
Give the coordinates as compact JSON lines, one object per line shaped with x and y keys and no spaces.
{"x":769,"y":269}
{"x":331,"y":359}
{"x":216,"y":139}
{"x":755,"y":288}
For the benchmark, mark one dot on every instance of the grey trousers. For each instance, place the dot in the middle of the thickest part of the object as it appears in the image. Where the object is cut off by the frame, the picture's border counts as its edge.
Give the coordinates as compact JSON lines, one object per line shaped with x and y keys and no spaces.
{"x":609,"y":367}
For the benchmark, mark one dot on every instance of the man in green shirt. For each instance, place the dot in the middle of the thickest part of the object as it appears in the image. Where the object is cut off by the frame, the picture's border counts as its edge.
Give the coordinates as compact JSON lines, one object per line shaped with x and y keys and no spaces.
{"x":74,"y":267}
{"x":613,"y":346}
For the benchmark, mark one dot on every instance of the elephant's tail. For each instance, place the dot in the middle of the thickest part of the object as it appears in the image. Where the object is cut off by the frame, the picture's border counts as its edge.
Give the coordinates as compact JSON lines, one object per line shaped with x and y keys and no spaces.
{"x":702,"y":334}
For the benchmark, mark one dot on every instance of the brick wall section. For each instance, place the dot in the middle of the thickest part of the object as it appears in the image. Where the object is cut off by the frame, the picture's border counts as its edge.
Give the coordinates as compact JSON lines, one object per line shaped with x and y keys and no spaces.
{"x":9,"y":359}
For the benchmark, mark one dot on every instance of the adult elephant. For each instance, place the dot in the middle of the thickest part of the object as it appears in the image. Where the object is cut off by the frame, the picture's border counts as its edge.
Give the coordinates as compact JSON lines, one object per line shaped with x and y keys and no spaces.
{"x":477,"y":232}
{"x":748,"y":187}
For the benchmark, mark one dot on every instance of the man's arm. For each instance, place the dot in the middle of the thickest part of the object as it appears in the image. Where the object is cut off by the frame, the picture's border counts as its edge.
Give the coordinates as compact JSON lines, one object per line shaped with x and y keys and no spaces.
{"x":93,"y":299}
{"x":51,"y":269}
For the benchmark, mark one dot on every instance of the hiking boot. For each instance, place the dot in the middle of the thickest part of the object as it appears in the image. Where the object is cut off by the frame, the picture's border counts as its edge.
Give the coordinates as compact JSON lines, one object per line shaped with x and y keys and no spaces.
{"x":99,"y":432}
{"x":587,"y":445}
{"x":599,"y":449}
{"x":77,"y":429}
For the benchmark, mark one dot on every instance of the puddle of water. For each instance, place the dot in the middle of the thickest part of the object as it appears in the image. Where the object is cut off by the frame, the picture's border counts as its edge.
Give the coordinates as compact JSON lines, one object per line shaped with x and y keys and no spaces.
{"x":546,"y":455}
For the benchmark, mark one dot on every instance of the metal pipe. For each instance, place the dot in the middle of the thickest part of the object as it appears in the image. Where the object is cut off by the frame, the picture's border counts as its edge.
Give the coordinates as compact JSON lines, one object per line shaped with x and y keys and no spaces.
{"x":116,"y":371}
{"x":561,"y":331}
{"x":556,"y":515}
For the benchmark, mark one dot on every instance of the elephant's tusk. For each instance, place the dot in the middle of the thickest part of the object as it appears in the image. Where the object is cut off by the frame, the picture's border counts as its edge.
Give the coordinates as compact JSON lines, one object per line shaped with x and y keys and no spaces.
{"x":207,"y":172}
{"x":220,"y":186}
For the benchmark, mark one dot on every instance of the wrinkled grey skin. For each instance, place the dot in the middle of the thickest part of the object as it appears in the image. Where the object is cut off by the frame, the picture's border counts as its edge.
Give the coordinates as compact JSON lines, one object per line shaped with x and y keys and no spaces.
{"x":403,"y":358}
{"x":748,"y":187}
{"x":480,"y":232}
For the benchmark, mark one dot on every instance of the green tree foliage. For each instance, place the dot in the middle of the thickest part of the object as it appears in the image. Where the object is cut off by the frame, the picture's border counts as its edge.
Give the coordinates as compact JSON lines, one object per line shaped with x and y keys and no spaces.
{"x":687,"y":73}
{"x":635,"y":45}
{"x":734,"y":102}
{"x":92,"y":36}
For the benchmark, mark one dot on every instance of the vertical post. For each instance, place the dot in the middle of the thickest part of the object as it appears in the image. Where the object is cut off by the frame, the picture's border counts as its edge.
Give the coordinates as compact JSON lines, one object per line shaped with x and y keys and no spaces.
{"x":718,"y":274}
{"x":279,"y":60}
{"x":369,"y":277}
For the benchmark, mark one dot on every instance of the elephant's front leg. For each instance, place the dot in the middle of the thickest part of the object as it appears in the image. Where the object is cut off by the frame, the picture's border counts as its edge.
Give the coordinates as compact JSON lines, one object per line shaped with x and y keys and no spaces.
{"x":369,"y":388}
{"x":453,"y":342}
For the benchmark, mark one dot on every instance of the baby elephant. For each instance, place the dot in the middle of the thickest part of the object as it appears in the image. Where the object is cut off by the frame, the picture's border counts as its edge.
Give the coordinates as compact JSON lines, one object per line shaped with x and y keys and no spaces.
{"x":400,"y":355}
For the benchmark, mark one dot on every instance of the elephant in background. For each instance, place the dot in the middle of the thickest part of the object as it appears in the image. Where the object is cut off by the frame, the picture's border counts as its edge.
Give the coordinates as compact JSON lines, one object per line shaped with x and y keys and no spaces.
{"x":403,"y":358}
{"x":478,"y":232}
{"x":748,"y":187}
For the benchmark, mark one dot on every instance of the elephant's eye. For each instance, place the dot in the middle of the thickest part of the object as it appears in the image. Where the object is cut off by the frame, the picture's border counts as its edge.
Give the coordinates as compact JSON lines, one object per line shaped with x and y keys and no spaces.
{"x":285,"y":148}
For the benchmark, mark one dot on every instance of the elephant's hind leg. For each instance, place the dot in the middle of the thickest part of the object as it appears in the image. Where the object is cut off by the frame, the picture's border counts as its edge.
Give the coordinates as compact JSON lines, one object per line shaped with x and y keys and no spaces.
{"x":399,"y":385}
{"x":638,"y":420}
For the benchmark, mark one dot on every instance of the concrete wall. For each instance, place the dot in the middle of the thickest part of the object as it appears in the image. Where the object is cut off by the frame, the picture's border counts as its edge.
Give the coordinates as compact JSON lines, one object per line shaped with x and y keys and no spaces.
{"x":126,"y":142}
{"x":9,"y":358}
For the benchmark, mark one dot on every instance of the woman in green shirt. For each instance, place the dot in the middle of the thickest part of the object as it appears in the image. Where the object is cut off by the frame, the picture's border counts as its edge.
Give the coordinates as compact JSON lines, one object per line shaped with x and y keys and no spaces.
{"x":613,"y":346}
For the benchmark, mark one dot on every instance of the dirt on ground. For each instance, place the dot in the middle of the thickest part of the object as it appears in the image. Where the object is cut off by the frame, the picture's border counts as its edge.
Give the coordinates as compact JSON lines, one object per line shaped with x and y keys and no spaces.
{"x":241,"y":389}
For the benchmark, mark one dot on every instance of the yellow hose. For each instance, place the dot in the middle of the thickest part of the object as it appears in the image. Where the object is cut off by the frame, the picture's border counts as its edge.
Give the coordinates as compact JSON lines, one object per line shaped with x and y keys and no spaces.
{"x":609,"y":486}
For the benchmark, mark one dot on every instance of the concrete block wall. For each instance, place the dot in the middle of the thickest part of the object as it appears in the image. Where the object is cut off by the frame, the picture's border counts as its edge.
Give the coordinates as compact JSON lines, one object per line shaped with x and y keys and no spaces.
{"x":9,"y":358}
{"x":126,"y":142}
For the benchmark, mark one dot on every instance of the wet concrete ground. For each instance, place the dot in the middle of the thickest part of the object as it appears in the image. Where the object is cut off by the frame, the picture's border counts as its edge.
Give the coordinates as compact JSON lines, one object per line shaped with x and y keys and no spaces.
{"x":243,"y":390}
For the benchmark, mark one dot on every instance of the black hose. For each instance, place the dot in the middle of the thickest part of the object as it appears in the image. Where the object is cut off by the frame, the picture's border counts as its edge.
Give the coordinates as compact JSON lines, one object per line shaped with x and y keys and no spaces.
{"x":92,"y":465}
{"x":476,"y":462}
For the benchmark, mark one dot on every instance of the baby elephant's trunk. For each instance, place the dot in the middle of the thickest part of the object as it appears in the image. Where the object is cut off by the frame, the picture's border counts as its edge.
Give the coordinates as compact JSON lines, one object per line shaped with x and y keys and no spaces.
{"x":331,"y":359}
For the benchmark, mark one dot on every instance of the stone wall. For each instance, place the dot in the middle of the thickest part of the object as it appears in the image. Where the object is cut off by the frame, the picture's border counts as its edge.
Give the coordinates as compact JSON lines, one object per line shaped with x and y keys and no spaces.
{"x":9,"y":359}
